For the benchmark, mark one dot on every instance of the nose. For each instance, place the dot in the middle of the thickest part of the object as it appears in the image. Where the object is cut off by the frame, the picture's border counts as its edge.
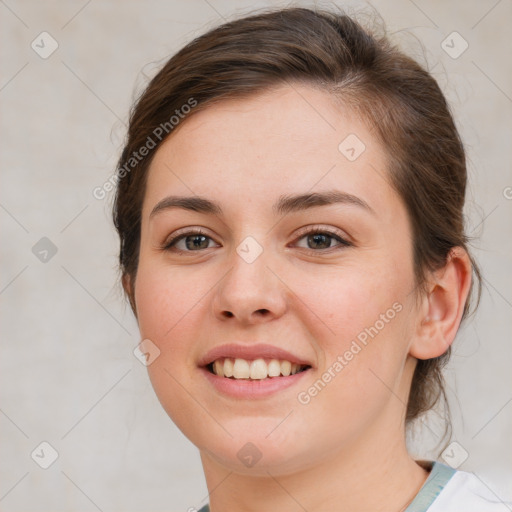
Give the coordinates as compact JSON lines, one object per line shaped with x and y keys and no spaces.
{"x":250,"y":293}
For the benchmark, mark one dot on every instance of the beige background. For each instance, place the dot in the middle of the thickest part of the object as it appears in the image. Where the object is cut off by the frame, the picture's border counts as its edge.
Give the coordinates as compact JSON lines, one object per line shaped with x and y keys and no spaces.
{"x":68,"y":374}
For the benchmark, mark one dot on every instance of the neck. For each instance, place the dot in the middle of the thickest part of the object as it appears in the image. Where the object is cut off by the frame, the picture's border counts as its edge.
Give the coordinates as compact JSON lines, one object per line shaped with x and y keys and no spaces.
{"x":377,"y":476}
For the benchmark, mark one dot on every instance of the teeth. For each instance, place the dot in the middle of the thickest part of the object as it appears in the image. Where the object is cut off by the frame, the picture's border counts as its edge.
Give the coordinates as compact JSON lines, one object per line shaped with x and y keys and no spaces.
{"x":241,"y":369}
{"x":274,"y":368}
{"x":228,"y":368}
{"x":218,"y":368}
{"x":257,"y":369}
{"x":286,"y":368}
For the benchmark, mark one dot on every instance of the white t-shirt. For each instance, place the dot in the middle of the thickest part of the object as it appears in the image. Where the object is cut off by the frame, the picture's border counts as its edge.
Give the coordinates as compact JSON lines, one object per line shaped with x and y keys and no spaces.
{"x":449,"y":490}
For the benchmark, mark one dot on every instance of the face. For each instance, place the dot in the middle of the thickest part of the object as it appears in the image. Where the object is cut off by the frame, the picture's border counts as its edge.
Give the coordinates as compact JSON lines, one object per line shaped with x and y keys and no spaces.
{"x":271,"y":271}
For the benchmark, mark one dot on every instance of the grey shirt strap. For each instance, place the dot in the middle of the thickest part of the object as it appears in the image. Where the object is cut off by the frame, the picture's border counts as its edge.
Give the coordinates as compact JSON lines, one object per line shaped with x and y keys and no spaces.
{"x":430,"y":490}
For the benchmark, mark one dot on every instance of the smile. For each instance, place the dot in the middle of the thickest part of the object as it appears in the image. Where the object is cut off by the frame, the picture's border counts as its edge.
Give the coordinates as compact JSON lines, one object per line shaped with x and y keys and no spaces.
{"x":257,"y":369}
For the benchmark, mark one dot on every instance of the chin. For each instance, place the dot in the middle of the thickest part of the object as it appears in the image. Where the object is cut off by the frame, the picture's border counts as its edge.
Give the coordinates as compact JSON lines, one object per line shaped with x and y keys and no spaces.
{"x":256,"y":459}
{"x":252,"y":451}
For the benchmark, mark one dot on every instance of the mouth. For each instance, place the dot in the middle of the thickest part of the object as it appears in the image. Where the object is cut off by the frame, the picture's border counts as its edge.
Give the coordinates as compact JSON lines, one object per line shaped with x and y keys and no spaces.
{"x":244,"y":371}
{"x":254,"y":369}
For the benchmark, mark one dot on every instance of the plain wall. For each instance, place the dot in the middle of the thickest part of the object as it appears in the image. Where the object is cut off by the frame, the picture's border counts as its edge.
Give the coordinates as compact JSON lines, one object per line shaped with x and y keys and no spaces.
{"x":68,"y":373}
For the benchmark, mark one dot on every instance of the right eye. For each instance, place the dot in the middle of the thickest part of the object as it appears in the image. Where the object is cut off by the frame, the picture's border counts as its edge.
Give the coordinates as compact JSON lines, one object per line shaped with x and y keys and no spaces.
{"x":191,"y":241}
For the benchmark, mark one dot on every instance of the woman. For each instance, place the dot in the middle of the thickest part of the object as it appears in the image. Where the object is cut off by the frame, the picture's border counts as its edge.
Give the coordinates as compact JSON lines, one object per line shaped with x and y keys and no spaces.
{"x":289,"y":205}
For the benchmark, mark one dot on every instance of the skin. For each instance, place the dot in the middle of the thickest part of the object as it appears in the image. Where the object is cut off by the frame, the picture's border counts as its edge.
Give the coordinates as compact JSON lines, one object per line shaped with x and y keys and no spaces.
{"x":312,"y":301}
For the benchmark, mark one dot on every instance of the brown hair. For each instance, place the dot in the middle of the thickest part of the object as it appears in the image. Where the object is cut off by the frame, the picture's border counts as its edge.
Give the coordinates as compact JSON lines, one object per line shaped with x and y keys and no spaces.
{"x":396,"y":97}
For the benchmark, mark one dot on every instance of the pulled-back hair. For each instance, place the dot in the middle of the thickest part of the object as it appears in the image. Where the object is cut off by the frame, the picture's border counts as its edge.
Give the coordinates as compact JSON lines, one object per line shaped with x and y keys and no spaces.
{"x":399,"y":100}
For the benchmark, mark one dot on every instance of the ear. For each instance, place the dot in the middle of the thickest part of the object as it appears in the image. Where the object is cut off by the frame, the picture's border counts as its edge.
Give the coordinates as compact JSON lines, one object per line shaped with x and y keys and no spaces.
{"x":129,"y":289}
{"x":442,"y":308}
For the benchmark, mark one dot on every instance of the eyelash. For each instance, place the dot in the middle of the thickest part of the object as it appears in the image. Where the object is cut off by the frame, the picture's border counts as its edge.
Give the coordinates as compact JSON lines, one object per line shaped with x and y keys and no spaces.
{"x":168,"y":246}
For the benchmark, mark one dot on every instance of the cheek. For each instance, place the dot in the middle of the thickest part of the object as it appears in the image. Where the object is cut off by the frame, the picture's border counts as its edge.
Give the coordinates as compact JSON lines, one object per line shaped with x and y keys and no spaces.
{"x":349,"y":301}
{"x":363,"y":334}
{"x":165,"y":299}
{"x":171,"y":313}
{"x":170,"y":308}
{"x":362,"y":362}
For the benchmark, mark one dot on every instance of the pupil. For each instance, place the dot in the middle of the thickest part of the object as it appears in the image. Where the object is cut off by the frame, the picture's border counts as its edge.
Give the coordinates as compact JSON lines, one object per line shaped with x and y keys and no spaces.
{"x":195,"y":242}
{"x":321,"y":238}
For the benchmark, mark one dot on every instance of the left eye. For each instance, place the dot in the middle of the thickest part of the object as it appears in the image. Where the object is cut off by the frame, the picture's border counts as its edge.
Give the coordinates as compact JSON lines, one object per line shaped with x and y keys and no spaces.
{"x":322,"y":240}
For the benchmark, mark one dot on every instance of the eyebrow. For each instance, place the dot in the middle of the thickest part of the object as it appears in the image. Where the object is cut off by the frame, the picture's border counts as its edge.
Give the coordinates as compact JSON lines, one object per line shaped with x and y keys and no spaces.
{"x":285,"y":203}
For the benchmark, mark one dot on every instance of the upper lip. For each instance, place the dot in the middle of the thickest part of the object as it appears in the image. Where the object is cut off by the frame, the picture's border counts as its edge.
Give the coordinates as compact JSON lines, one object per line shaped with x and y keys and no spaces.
{"x":250,"y":352}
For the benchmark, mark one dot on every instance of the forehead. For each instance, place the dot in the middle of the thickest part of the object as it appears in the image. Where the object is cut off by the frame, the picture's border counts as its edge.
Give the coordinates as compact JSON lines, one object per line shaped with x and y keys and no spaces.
{"x":291,"y":139}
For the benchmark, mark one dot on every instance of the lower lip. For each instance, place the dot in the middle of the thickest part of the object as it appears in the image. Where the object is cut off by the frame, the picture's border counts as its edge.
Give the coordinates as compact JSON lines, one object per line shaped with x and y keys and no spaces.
{"x":251,"y":389}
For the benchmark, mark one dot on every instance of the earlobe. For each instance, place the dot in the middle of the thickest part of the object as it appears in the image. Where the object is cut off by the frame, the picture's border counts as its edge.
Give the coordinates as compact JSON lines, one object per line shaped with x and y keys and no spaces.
{"x":443,"y":306}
